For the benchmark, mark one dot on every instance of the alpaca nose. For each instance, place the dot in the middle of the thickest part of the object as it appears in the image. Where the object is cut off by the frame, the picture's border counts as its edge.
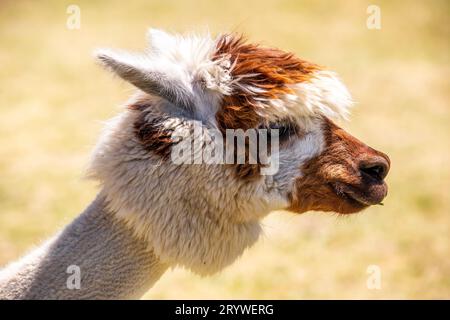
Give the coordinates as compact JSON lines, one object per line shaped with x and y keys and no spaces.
{"x":377,"y":167}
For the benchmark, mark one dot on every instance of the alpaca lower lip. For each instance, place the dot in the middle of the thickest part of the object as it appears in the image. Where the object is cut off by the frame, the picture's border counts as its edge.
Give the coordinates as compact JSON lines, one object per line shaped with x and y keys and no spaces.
{"x":358,"y":198}
{"x":372,"y":196}
{"x":367,"y":197}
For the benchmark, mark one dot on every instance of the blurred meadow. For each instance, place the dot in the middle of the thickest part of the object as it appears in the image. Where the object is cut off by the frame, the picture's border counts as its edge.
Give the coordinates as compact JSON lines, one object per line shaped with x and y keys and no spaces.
{"x":53,"y":99}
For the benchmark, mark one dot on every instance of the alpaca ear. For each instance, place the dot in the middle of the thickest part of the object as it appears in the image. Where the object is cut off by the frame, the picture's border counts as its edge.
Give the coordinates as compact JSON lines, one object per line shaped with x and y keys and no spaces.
{"x":140,"y":71}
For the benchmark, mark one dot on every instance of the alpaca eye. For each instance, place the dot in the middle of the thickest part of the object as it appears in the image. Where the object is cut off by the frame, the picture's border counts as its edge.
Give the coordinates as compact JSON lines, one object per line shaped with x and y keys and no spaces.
{"x":285,"y":130}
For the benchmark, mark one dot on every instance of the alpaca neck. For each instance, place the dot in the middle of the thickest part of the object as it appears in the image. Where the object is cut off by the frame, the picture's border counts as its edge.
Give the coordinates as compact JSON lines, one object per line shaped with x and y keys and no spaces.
{"x":112,"y":263}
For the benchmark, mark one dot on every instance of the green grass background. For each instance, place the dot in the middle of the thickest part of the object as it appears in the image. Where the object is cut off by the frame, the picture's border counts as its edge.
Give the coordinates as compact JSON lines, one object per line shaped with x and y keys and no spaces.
{"x":53,"y":99}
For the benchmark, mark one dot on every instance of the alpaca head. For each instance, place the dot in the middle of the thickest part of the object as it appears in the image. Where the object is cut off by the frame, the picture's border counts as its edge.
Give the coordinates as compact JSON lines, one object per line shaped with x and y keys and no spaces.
{"x":202,"y":214}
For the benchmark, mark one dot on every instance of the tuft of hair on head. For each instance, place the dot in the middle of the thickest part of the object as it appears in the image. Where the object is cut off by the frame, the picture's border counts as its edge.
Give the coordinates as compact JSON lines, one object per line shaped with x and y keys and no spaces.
{"x":253,"y":82}
{"x":177,"y":68}
{"x":272,"y":84}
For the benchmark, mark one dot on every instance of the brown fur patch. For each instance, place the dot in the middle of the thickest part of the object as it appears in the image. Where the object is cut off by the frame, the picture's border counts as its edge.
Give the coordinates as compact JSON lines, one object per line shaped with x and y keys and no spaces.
{"x":150,"y":131}
{"x":318,"y":188}
{"x":270,"y":71}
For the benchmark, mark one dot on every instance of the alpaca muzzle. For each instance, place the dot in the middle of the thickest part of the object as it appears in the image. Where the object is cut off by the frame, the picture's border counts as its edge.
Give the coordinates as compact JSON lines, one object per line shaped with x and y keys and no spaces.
{"x":368,"y":188}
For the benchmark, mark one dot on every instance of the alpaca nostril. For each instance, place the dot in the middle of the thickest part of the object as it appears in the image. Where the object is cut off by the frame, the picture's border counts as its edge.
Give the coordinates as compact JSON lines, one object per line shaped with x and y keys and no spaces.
{"x":376,"y":169}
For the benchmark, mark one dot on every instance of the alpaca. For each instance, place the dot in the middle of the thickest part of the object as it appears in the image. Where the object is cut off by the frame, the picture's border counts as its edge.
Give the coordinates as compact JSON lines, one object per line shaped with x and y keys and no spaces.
{"x":152,"y":214}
